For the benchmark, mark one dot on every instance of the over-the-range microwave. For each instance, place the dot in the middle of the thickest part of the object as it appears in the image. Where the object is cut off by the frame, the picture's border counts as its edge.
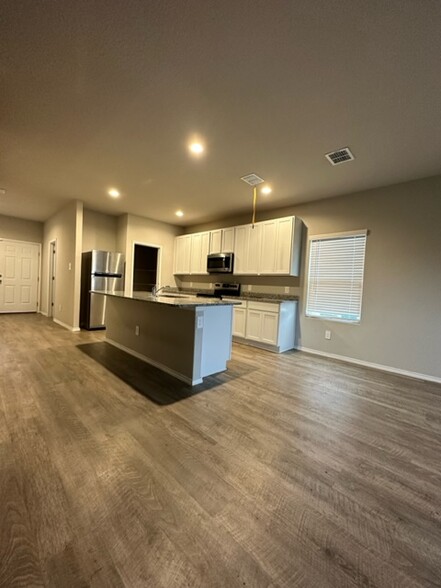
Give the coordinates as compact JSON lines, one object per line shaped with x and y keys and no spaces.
{"x":220,"y":263}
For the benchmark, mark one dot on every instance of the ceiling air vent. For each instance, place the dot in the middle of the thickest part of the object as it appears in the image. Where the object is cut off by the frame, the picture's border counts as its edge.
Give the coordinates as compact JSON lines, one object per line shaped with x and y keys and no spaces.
{"x":340,"y":156}
{"x":252,"y":179}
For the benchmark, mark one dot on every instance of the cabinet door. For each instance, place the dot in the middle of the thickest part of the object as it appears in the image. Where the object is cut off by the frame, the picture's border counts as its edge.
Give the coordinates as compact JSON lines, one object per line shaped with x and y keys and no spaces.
{"x":216,"y":241}
{"x":182,"y":254}
{"x":241,"y":249}
{"x":254,"y":249}
{"x":254,"y":325}
{"x":205,"y":248}
{"x":196,"y":253}
{"x":239,"y":322}
{"x":269,"y":240}
{"x":284,"y":244}
{"x":270,"y":328}
{"x":227,"y":240}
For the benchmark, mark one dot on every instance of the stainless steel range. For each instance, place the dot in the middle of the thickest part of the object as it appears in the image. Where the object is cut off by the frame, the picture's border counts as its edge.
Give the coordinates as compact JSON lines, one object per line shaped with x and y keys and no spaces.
{"x":220,"y":290}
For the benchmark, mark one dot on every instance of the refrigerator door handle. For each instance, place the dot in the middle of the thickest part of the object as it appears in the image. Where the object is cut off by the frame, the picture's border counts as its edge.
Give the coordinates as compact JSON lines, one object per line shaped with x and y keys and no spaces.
{"x":106,"y":275}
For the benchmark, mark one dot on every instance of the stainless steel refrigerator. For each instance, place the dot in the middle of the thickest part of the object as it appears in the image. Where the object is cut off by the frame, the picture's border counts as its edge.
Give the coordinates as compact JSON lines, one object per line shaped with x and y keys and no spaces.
{"x":100,"y":270}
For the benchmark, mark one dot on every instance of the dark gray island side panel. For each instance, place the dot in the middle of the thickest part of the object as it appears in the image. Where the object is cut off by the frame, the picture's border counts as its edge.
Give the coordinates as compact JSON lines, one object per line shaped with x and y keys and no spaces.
{"x":166,"y":333}
{"x":188,"y":342}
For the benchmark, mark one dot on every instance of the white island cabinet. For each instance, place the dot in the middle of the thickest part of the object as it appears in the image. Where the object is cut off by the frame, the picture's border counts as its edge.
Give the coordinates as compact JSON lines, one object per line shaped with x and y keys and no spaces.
{"x":187,"y":337}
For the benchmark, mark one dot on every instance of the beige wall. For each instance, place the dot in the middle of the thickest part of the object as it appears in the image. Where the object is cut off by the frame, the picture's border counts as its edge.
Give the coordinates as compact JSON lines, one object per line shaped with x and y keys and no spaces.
{"x":65,"y":227}
{"x":19,"y":229}
{"x":401,"y":314}
{"x":99,"y":231}
{"x":136,"y":229}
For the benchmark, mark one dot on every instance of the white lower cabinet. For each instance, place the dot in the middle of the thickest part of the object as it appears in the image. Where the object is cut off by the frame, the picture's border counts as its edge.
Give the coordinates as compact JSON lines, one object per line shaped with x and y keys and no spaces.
{"x":239,"y":321}
{"x":270,"y":325}
{"x":269,"y":331}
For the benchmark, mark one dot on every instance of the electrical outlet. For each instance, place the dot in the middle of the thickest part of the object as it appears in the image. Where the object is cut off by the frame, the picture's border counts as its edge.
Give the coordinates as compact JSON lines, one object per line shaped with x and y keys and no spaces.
{"x":137,"y":330}
{"x":200,"y":322}
{"x":327,"y":334}
{"x":70,"y":266}
{"x":286,"y":289}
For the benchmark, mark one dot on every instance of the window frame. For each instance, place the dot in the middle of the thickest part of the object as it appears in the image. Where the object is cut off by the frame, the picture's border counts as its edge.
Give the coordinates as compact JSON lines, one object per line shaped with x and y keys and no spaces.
{"x":330,"y":236}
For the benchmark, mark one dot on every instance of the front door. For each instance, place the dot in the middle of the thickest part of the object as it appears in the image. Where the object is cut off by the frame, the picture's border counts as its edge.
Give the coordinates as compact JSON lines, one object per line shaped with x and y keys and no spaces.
{"x":18,"y":276}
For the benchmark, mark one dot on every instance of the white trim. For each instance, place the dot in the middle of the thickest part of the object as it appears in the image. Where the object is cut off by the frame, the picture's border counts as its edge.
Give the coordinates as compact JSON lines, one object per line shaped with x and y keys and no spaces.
{"x":132,"y":264}
{"x":375,"y":366}
{"x":360,"y":232}
{"x":43,"y":313}
{"x":51,"y":286}
{"x":259,"y":344}
{"x":66,"y":326}
{"x":20,"y":241}
{"x":19,"y":311}
{"x":156,"y":364}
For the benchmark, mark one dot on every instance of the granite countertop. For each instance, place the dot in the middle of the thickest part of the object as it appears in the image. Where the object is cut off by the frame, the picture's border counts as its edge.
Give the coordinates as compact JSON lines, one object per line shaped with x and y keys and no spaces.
{"x":179,"y":299}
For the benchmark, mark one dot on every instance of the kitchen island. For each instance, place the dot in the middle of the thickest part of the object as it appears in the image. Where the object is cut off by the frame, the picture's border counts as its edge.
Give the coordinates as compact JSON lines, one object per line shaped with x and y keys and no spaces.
{"x":185,"y":336}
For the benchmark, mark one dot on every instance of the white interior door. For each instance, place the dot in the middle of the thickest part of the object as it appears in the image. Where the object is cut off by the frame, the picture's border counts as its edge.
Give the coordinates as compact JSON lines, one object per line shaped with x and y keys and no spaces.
{"x":19,"y":266}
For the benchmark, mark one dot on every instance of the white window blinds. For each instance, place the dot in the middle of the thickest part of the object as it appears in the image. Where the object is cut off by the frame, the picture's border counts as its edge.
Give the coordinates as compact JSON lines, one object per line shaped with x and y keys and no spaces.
{"x":335,"y":276}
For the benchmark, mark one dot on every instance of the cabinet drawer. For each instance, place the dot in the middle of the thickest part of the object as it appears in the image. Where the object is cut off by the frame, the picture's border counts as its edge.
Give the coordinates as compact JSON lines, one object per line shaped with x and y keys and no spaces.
{"x":264,"y":306}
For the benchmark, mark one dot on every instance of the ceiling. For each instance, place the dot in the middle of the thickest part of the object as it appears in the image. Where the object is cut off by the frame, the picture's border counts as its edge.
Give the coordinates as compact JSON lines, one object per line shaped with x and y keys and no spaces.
{"x":106,"y":93}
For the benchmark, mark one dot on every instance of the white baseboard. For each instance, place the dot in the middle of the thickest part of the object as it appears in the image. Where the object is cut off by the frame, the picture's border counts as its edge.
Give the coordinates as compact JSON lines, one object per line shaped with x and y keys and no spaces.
{"x":43,"y":313}
{"x":66,"y":326}
{"x":376,"y":366}
{"x":154,"y":363}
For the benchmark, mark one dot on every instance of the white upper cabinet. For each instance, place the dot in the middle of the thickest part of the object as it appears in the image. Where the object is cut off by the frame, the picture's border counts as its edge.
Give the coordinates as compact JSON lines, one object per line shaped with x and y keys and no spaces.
{"x":247,"y":249}
{"x":269,"y":238}
{"x":216,"y":241}
{"x":198,"y":253}
{"x":222,"y":240}
{"x":281,"y":244}
{"x":241,"y":250}
{"x":270,"y":248}
{"x":191,"y":253}
{"x":182,"y":255}
{"x":228,"y":240}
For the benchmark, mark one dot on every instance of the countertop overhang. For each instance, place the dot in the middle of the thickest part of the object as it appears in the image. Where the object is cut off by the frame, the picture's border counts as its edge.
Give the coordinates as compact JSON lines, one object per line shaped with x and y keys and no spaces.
{"x":180,"y":300}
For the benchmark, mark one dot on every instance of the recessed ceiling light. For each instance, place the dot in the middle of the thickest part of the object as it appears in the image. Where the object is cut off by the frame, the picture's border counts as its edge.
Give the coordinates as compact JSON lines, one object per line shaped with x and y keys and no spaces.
{"x":266,"y":190}
{"x":113,"y":192}
{"x":179,"y":213}
{"x":196,"y":148}
{"x":2,"y":191}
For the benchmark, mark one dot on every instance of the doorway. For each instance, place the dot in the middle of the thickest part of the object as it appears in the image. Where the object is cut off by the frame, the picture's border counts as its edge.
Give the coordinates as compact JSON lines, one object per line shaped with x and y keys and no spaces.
{"x":51,"y":285}
{"x":19,"y":276}
{"x":146,"y":262}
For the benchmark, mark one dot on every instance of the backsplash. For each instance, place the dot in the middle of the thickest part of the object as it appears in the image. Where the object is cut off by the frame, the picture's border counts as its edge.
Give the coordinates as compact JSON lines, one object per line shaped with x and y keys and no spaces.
{"x":256,"y":284}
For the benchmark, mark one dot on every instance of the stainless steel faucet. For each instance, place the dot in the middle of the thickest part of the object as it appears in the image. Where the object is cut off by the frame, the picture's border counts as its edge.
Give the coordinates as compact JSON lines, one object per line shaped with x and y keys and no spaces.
{"x":156,"y":290}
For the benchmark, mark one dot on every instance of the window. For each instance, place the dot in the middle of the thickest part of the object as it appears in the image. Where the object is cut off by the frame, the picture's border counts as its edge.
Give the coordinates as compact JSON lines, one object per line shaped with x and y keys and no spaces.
{"x":335,"y":276}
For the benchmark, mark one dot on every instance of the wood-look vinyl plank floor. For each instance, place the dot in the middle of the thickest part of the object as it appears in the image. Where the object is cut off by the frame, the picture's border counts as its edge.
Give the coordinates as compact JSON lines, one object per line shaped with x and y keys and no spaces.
{"x":285,"y":471}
